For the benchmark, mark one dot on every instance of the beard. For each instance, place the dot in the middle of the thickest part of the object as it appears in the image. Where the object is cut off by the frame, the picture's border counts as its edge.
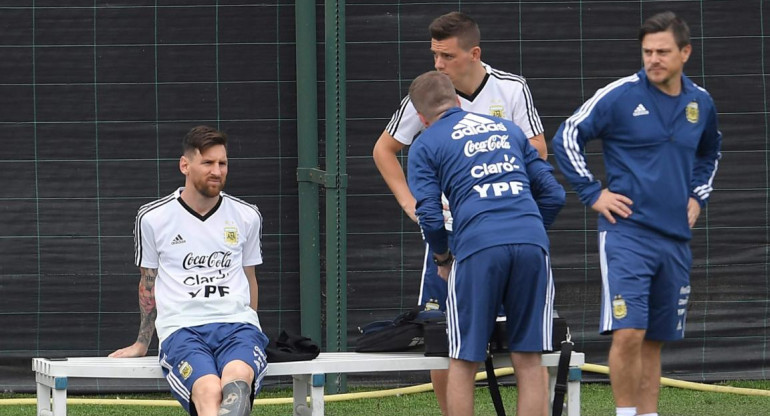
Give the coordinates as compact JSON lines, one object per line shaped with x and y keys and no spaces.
{"x":209,"y":189}
{"x":661,"y":75}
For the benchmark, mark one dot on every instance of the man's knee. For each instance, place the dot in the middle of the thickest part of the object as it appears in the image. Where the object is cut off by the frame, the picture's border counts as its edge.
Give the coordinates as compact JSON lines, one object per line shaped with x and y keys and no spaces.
{"x":237,"y":370}
{"x":628,"y":339}
{"x":206,"y":392}
{"x":236,"y":399}
{"x":527,"y":361}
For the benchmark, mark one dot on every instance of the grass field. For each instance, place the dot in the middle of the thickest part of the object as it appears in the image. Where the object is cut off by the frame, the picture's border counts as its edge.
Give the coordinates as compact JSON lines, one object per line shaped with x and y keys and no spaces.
{"x":596,"y":401}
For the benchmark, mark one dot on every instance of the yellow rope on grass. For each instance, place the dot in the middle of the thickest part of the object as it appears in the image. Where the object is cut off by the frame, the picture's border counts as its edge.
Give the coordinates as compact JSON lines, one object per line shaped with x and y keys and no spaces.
{"x":419,"y":388}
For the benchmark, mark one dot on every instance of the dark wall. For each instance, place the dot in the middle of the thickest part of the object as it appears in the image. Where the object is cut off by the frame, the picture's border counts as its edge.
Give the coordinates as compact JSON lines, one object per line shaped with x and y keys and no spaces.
{"x":95,"y":97}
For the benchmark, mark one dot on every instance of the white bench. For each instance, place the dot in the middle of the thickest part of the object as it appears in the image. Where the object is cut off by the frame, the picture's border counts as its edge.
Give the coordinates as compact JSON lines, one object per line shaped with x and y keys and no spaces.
{"x":51,"y":375}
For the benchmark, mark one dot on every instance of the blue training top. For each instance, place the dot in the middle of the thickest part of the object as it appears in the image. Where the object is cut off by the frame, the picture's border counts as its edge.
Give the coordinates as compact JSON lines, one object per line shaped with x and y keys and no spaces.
{"x":499,"y":190}
{"x":657,"y":152}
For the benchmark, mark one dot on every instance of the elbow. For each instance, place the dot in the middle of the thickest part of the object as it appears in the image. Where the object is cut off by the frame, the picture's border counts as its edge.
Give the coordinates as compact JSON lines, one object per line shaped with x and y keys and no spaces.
{"x":376,"y":150}
{"x":561,"y":197}
{"x":551,"y":204}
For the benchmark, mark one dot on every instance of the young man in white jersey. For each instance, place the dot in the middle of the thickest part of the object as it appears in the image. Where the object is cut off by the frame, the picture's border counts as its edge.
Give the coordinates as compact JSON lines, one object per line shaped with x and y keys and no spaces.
{"x":196,"y":250}
{"x":455,"y":40}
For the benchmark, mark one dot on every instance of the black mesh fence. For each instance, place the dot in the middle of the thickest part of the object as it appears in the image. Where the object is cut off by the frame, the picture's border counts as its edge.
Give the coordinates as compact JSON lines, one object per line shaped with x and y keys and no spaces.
{"x":96,"y":95}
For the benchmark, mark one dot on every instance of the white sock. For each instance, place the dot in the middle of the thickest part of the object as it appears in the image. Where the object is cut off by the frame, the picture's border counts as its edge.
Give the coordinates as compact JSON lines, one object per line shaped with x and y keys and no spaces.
{"x":649,"y":414}
{"x":625,"y":411}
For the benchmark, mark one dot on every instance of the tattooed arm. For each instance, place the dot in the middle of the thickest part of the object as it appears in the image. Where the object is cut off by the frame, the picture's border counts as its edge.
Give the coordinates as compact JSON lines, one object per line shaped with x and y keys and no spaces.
{"x":148,"y":313}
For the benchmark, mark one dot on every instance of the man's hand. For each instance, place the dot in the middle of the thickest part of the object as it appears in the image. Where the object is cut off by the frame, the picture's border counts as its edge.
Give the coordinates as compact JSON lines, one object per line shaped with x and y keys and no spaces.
{"x":444,"y":263}
{"x":443,"y":271}
{"x":611,"y":203}
{"x":136,"y":350}
{"x":693,"y":211}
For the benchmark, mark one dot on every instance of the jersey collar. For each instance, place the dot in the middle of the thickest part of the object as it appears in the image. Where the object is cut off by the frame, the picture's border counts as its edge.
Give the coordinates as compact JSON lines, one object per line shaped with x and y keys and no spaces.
{"x":479,"y":88}
{"x":192,"y":211}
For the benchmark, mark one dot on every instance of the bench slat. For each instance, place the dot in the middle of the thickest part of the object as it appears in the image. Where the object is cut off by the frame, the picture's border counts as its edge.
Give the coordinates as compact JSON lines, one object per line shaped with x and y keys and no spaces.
{"x":51,"y":375}
{"x":329,"y":362}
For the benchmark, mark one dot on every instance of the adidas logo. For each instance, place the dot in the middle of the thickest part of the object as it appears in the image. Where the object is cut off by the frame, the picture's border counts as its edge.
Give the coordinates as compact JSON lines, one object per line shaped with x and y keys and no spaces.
{"x":178,"y":240}
{"x":473,"y":124}
{"x":640,"y":111}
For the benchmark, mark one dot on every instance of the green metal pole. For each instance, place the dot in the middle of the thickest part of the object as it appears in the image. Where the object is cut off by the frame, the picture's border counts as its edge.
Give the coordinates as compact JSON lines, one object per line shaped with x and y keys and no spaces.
{"x":336,"y":193}
{"x":307,"y":160}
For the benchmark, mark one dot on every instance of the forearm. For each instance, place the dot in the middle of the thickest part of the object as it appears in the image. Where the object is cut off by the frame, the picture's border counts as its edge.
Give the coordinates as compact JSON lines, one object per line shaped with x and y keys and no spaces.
{"x":393,"y":173}
{"x":251,"y":276}
{"x":707,"y":158}
{"x":572,"y":162}
{"x":437,"y":240}
{"x":254,"y":294}
{"x":549,"y":196}
{"x":538,"y":142}
{"x":703,"y":177}
{"x":396,"y":181}
{"x":147,"y":308}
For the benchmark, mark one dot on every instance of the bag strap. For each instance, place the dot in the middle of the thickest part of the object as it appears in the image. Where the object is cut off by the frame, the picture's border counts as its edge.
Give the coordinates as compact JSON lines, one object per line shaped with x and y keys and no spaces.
{"x":561,"y":375}
{"x":494,"y":388}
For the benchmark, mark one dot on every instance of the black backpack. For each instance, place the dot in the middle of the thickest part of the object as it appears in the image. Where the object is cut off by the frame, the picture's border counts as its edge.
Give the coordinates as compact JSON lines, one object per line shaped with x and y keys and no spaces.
{"x":437,"y":341}
{"x":402,"y":333}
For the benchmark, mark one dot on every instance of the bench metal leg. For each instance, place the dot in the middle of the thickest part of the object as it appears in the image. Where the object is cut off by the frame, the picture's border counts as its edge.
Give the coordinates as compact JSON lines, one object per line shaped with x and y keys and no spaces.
{"x":573,"y":391}
{"x":301,"y":384}
{"x":43,"y":399}
{"x":51,"y":392}
{"x":573,"y":398}
{"x":59,"y":399}
{"x":317,"y":394}
{"x":572,"y":405}
{"x":309,"y":385}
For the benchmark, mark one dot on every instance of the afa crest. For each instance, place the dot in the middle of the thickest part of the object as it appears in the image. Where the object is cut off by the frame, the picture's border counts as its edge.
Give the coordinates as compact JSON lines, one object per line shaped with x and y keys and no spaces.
{"x":231,"y":236}
{"x":185,"y":369}
{"x":691,"y":112}
{"x":497,"y":111}
{"x":619,"y":310}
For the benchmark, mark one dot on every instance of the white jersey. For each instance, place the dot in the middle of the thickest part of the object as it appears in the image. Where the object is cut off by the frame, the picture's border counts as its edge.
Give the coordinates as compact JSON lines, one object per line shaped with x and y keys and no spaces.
{"x":501,"y":94}
{"x":199,"y":260}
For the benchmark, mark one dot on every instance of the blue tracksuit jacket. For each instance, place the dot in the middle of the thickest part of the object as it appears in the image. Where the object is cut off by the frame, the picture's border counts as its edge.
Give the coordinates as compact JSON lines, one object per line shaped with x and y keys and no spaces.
{"x":499,"y":190}
{"x":657,"y":160}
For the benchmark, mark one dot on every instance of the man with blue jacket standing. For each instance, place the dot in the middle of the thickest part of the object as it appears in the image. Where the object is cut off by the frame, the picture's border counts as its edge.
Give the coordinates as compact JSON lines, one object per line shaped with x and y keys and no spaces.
{"x":502,"y":196}
{"x":661,"y":148}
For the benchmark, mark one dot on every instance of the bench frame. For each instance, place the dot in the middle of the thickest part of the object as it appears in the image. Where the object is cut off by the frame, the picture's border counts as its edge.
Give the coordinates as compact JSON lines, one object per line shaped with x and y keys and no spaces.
{"x":51,"y":375}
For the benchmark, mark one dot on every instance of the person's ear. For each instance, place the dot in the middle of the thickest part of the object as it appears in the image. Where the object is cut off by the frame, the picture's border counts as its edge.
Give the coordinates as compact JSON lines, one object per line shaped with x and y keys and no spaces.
{"x":476,"y":53}
{"x":184,"y":165}
{"x":423,"y":120}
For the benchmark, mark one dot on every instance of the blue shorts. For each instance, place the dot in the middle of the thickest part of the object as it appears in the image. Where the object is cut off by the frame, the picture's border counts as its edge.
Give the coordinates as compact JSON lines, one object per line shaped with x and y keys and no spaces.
{"x":191,"y":353}
{"x":432,"y":286}
{"x":645,"y":283}
{"x":518,"y":276}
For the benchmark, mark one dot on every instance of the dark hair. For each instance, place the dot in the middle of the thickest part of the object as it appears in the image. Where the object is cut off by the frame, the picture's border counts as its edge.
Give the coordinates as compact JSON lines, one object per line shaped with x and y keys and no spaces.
{"x":432,"y":93}
{"x":459,"y":25}
{"x":201,"y":138}
{"x":662,"y":22}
